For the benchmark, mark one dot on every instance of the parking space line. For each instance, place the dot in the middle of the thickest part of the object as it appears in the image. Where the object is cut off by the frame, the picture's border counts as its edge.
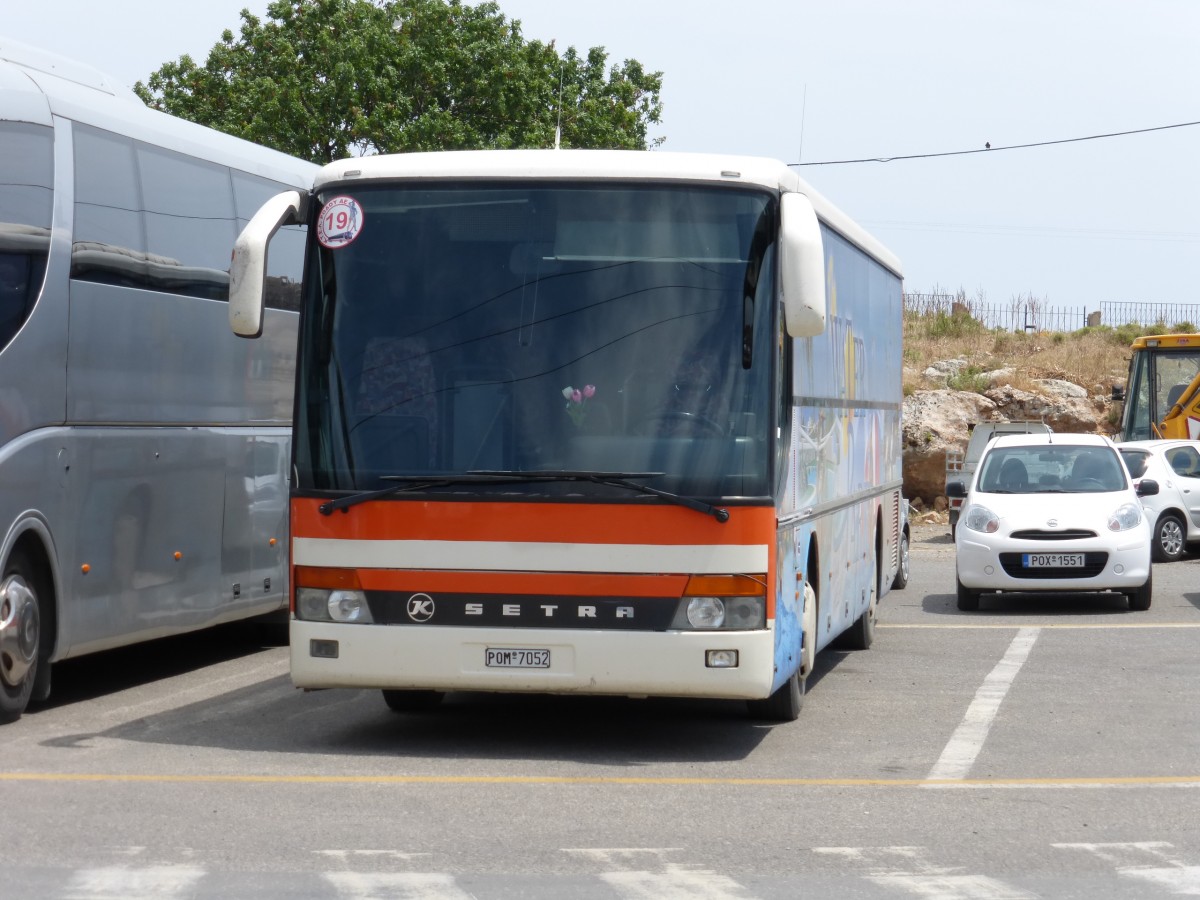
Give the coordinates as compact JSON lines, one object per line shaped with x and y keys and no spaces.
{"x":964,"y":746}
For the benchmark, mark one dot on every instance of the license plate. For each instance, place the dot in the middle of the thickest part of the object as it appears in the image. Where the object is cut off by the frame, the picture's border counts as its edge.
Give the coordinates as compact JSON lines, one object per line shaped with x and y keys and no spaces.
{"x":516,"y":658}
{"x":1052,"y":560}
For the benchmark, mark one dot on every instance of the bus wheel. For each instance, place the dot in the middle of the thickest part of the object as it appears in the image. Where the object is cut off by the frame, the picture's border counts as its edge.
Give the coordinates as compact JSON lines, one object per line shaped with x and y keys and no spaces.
{"x":783,"y":705}
{"x":861,"y":635}
{"x":412,"y":701}
{"x":20,"y":634}
{"x":808,"y":657}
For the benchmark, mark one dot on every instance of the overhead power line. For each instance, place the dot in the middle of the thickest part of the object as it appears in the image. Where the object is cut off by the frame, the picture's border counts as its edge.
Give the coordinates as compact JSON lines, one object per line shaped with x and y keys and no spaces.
{"x":988,"y":148}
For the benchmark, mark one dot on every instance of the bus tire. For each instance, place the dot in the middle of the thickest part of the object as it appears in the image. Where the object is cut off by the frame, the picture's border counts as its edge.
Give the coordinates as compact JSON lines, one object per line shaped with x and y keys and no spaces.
{"x":784,"y":705}
{"x":900,"y":582}
{"x":20,"y":636}
{"x":412,"y":701}
{"x":861,"y":635}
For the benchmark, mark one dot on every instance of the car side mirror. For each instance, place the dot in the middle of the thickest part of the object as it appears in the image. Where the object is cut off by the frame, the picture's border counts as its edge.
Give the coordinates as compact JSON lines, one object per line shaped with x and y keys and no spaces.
{"x":958,"y":489}
{"x":1147,"y":487}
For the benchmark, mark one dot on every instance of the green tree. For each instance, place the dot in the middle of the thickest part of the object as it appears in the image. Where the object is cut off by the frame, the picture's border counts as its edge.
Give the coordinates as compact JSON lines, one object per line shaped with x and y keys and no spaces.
{"x":323,"y":79}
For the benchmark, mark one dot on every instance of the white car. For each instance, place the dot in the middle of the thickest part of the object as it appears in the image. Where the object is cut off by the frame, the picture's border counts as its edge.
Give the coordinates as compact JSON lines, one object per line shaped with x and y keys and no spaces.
{"x":1174,"y":512}
{"x":1054,"y":512}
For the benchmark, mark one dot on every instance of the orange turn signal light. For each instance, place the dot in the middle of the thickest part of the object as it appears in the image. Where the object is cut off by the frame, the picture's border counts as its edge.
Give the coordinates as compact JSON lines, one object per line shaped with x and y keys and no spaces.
{"x":726,"y":586}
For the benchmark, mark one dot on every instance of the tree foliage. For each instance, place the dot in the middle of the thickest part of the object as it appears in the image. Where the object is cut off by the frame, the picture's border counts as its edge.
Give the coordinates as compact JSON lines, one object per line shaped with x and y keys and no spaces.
{"x":323,"y":79}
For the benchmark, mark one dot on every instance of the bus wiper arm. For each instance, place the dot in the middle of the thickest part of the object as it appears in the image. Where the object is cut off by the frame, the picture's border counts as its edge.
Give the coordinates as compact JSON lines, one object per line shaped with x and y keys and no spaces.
{"x":405,"y":483}
{"x":625,"y":480}
{"x":615,"y":479}
{"x":416,"y":483}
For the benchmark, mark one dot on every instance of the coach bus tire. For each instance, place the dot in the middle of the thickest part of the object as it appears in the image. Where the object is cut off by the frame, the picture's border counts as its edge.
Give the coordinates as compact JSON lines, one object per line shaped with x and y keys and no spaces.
{"x":1139,"y":600}
{"x":968,"y":600}
{"x":412,"y":701}
{"x":20,"y":636}
{"x":861,"y":635}
{"x":900,"y":582}
{"x":784,"y":705}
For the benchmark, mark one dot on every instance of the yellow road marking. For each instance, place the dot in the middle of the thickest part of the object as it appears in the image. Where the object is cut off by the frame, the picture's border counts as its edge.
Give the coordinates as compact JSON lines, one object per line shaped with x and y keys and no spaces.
{"x":666,"y":781}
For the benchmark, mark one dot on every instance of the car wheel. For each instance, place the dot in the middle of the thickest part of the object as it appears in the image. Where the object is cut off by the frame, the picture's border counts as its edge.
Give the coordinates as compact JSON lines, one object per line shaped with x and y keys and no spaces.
{"x":412,"y":701}
{"x":1139,"y":600}
{"x":1169,"y":538}
{"x":900,"y":582}
{"x":20,"y":636}
{"x":968,"y":599}
{"x":783,"y":705}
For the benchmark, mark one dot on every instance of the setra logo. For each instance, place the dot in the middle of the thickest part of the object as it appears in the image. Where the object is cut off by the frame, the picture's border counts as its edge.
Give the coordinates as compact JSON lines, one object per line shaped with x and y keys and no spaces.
{"x":420,"y":608}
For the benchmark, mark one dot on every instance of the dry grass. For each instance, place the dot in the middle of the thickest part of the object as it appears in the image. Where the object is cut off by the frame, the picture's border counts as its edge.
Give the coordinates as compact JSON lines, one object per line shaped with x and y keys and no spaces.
{"x":1093,"y":358}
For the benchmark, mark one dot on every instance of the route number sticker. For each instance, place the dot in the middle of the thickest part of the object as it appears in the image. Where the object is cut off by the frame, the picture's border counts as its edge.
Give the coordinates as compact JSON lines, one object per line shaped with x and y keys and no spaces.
{"x":340,"y":223}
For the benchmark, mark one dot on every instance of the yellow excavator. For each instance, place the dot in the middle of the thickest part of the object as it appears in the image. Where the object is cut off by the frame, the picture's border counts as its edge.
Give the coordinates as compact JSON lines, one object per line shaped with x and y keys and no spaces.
{"x":1162,"y":393}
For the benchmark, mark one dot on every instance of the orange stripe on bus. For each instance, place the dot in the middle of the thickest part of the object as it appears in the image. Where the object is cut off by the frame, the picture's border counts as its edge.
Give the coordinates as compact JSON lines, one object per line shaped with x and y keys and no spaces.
{"x":544,"y":522}
{"x":531,"y":583}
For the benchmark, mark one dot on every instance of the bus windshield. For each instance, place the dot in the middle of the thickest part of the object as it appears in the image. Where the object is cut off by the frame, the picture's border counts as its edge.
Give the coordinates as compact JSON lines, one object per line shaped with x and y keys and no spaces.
{"x":501,"y":327}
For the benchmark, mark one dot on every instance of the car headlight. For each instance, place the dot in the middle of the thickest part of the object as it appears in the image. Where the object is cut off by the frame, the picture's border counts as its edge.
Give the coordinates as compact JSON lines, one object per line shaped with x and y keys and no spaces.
{"x":980,"y":518}
{"x":1128,"y":516}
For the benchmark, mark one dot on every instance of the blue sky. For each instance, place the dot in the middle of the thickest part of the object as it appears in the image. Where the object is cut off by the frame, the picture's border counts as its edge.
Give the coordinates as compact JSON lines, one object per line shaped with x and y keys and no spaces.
{"x":1072,"y":224}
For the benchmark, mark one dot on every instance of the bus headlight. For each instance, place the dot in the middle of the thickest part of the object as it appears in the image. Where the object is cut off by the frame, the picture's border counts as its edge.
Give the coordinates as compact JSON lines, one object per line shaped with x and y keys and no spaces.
{"x":321,"y":605}
{"x":706,"y":612}
{"x":720,"y":614}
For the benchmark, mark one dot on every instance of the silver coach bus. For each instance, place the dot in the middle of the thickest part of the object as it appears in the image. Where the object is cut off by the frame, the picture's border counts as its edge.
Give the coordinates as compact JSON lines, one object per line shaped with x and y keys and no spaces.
{"x":143,"y":448}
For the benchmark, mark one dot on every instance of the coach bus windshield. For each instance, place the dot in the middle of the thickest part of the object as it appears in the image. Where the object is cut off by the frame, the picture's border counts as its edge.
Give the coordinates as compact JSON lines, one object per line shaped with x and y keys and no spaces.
{"x":569,"y":327}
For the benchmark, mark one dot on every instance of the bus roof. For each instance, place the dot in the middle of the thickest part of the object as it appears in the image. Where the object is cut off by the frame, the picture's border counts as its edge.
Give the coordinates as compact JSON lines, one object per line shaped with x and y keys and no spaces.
{"x":635,"y":165}
{"x":36,"y":85}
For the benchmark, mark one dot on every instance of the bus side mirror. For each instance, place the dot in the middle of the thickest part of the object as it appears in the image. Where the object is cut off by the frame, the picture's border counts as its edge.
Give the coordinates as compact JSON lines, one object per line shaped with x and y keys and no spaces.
{"x":801,"y":266}
{"x":248,"y":269}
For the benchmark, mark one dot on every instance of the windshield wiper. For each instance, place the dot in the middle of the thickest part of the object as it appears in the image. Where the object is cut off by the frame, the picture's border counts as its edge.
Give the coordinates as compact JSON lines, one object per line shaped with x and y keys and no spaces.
{"x":614,"y":479}
{"x":405,"y":483}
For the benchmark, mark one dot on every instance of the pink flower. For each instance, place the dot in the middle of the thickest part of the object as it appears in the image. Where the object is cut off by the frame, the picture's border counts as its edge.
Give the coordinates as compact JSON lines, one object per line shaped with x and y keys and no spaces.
{"x":589,"y":391}
{"x":576,"y":396}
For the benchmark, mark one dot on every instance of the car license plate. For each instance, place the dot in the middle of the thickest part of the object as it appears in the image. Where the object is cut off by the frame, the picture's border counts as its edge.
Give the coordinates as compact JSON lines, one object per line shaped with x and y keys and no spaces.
{"x":1052,"y":560}
{"x":516,"y":658}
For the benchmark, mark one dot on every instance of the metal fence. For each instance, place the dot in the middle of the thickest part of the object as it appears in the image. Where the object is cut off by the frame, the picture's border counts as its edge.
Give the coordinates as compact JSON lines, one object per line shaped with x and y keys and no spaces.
{"x":1032,"y":315}
{"x":1169,"y":314}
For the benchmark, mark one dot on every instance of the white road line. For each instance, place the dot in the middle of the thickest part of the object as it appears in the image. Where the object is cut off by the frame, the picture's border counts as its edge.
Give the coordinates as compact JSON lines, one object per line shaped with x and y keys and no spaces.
{"x":396,"y":886}
{"x":677,"y":883}
{"x":121,"y":883}
{"x":953,"y":887}
{"x":960,"y":753}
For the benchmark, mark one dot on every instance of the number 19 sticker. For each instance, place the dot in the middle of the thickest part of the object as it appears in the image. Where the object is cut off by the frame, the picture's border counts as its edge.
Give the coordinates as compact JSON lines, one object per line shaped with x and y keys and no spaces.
{"x":340,"y":223}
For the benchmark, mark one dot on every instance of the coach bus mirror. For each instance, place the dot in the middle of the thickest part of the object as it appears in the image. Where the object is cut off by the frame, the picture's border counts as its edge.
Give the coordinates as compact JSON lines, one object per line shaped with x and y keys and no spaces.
{"x":248,"y":269}
{"x":801,"y":266}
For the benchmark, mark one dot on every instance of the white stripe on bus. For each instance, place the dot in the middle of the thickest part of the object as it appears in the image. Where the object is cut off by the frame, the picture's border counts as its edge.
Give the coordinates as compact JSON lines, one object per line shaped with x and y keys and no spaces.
{"x":525,"y":556}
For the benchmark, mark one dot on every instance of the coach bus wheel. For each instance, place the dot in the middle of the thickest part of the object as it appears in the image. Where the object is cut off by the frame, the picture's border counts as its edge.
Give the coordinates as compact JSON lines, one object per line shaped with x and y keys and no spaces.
{"x":861,"y":634}
{"x":783,"y":705}
{"x":20,"y":634}
{"x":412,"y":701}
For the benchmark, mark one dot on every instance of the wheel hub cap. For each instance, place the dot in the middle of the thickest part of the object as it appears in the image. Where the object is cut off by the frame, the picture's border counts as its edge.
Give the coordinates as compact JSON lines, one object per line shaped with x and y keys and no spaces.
{"x":18,"y":630}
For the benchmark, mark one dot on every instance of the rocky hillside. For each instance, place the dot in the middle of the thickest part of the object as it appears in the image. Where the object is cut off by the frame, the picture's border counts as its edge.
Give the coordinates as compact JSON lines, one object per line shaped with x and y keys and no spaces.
{"x":936,"y":418}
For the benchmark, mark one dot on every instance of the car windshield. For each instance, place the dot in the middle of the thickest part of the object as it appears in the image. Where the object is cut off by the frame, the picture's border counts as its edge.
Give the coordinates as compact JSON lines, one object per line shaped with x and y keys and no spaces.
{"x":1056,"y":468}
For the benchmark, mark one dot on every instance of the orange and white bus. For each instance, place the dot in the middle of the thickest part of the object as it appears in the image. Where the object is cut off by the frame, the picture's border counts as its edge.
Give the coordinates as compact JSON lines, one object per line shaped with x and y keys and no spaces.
{"x":584,"y":422}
